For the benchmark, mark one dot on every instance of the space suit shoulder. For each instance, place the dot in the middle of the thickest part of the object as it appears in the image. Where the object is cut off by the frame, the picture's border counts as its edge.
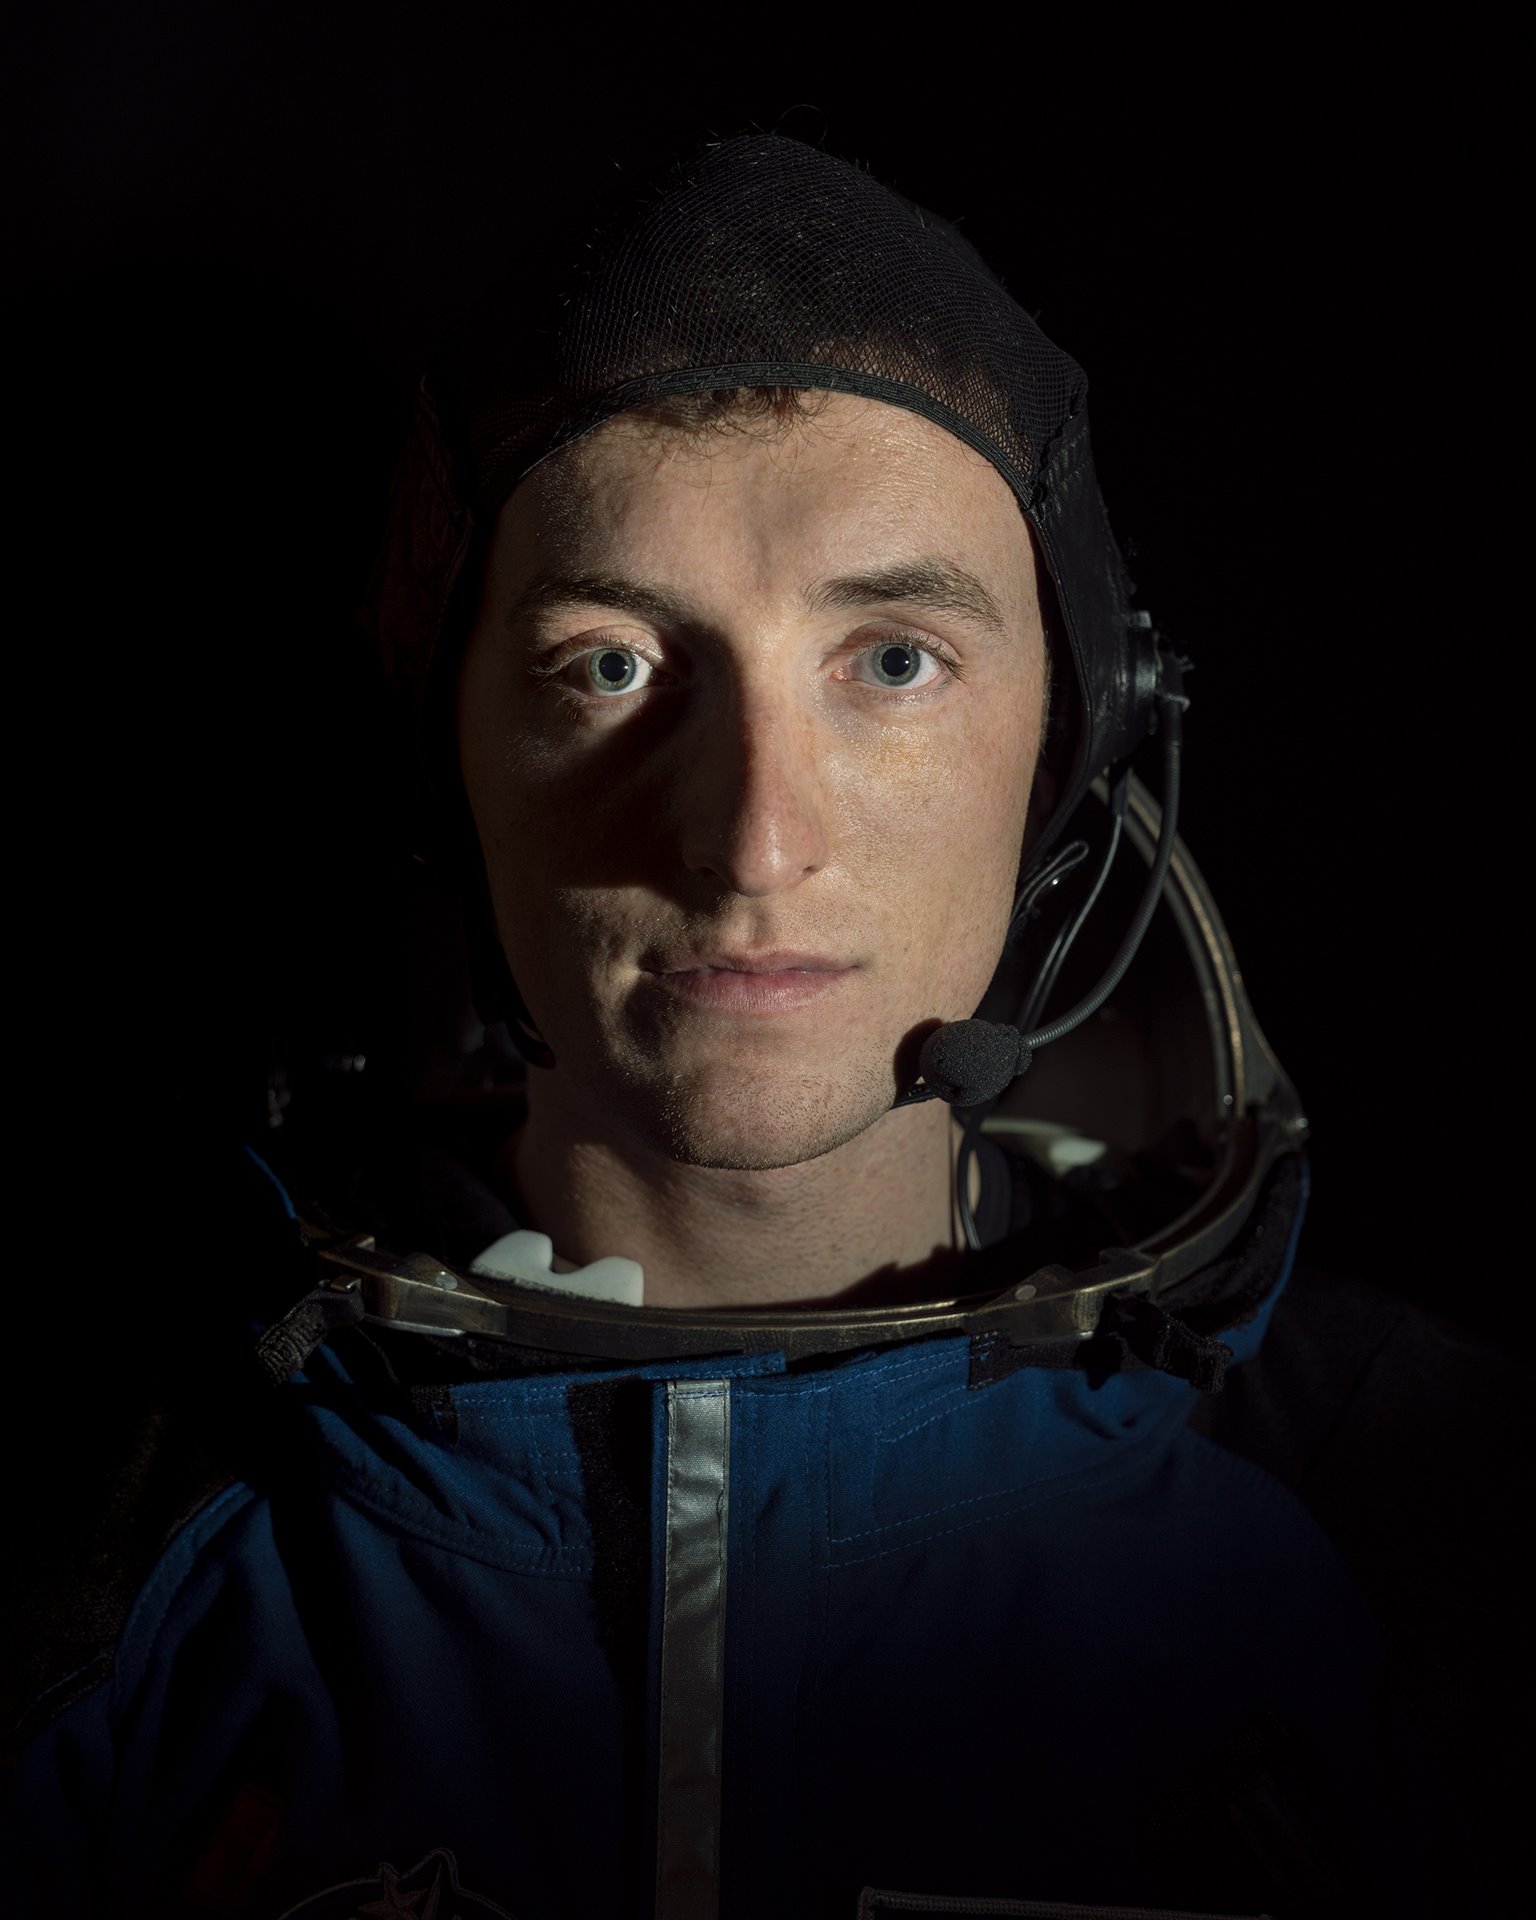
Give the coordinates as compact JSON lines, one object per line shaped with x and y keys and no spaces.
{"x":1400,"y":1429}
{"x":97,"y":1520}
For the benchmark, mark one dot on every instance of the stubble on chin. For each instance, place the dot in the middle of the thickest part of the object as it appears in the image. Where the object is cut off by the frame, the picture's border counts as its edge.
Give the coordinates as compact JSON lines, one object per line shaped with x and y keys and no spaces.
{"x":755,"y":1120}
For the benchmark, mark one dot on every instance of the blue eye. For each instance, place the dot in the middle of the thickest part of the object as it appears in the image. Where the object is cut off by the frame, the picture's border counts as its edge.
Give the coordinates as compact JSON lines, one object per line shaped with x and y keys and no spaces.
{"x":899,"y":664}
{"x":617,"y":670}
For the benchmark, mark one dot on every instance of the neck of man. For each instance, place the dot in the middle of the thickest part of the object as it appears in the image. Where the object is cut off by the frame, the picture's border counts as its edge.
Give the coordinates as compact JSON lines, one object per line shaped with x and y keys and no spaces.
{"x":871,"y":1223}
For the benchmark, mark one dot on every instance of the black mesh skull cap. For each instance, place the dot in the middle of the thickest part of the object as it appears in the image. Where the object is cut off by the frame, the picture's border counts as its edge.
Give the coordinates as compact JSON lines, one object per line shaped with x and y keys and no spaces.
{"x":763,"y":262}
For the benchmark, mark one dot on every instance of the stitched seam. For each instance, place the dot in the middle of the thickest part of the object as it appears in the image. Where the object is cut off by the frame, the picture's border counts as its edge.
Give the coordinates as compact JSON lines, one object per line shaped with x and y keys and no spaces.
{"x":1141,"y":1437}
{"x":176,"y":1567}
{"x":488,"y":1397}
{"x":57,"y":1686}
{"x":531,"y":1559}
{"x":864,"y":1389}
{"x":950,"y":1406}
{"x":906,"y":1370}
{"x":915,"y":1363}
{"x":1069,"y":1475}
{"x":542,"y":1490}
{"x":1020,"y":1506}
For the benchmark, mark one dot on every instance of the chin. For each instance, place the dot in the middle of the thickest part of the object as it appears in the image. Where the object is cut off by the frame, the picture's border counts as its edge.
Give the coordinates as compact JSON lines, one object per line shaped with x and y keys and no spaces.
{"x":754,"y":1123}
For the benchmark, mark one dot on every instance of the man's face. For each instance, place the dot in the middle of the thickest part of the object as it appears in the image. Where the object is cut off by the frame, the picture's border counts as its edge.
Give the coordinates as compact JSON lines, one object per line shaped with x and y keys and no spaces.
{"x":752,"y":698}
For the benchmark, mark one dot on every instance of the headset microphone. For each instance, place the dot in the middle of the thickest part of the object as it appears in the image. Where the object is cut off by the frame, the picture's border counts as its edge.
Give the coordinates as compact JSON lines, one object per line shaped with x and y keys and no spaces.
{"x":971,"y":1063}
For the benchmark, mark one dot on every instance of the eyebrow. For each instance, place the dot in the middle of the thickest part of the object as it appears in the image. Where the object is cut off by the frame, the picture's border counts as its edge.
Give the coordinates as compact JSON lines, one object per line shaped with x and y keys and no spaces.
{"x":933,"y":583}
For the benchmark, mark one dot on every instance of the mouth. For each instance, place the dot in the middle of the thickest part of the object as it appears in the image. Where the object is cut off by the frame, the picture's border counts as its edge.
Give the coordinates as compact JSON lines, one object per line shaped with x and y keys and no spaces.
{"x":770,"y":961}
{"x":756,"y":983}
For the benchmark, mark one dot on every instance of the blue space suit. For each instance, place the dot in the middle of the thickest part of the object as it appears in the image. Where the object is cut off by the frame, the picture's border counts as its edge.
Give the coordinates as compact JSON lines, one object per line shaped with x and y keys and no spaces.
{"x":908,"y":1626}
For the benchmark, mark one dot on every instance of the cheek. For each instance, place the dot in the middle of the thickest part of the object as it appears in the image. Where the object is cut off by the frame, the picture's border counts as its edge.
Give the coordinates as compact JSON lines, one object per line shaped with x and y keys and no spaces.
{"x":979,"y":839}
{"x":955,"y":874}
{"x":983,"y":792}
{"x":505,"y":764}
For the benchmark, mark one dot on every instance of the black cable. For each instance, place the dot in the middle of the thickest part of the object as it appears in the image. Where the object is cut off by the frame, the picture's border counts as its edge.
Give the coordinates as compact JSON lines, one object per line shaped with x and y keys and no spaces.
{"x":1171,"y":712}
{"x":1039,"y":994}
{"x":1038,"y":997}
{"x":1027,"y":905}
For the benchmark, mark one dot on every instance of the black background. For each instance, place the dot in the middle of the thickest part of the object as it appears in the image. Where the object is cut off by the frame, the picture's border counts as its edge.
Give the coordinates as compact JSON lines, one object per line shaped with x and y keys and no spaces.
{"x":236,"y":233}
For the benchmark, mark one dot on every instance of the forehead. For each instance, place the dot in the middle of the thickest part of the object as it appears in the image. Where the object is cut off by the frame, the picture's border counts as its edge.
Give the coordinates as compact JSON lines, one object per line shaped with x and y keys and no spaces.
{"x":860,"y":482}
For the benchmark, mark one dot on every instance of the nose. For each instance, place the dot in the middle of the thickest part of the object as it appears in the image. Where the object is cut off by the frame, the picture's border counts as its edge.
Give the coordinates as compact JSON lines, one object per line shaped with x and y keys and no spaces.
{"x":755,"y":813}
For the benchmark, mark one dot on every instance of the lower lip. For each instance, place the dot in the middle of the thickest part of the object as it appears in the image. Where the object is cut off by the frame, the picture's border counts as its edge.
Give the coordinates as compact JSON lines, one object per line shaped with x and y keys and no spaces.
{"x":752,"y":992}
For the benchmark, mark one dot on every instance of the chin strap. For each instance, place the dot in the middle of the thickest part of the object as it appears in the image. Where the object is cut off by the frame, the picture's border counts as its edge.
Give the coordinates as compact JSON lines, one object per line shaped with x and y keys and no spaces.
{"x":288,"y":1343}
{"x":1164,"y":1343}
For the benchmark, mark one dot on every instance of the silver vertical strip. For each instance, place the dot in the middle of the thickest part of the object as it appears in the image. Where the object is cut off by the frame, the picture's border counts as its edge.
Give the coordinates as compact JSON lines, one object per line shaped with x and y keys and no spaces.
{"x":692,"y":1650}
